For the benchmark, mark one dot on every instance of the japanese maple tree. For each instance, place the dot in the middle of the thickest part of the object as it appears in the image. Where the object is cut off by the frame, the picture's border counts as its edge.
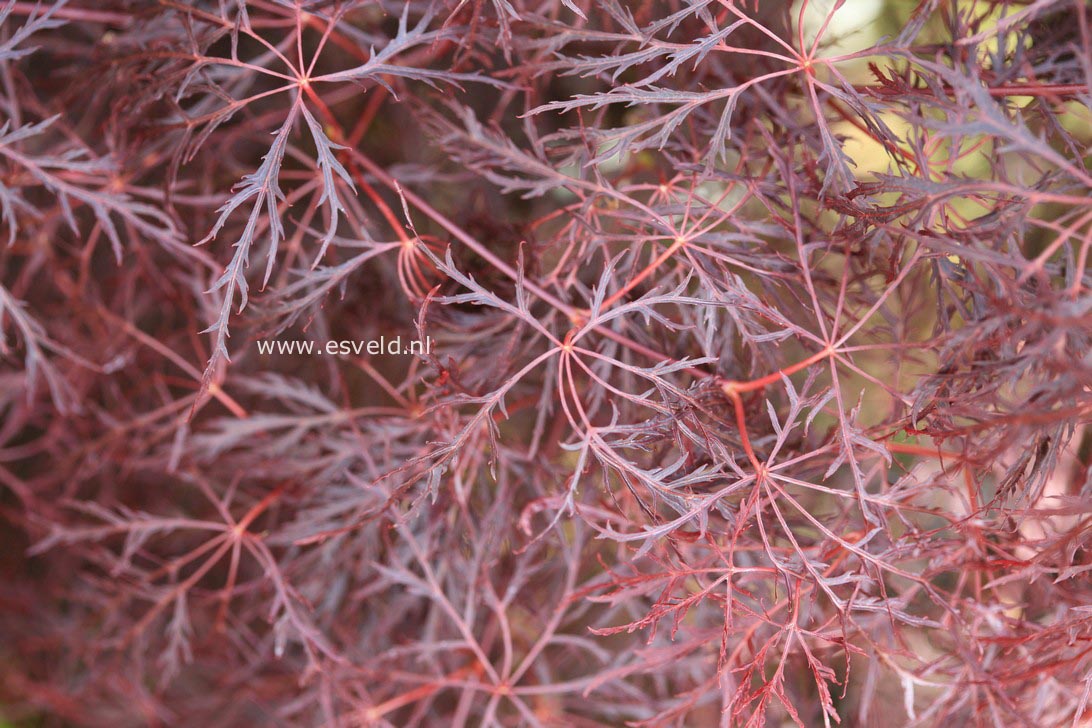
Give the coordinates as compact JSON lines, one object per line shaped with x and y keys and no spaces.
{"x":760,"y":392}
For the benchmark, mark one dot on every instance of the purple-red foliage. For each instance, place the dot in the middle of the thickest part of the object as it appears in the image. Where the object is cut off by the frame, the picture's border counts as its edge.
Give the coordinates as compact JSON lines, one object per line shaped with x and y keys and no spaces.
{"x":723,"y":425}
